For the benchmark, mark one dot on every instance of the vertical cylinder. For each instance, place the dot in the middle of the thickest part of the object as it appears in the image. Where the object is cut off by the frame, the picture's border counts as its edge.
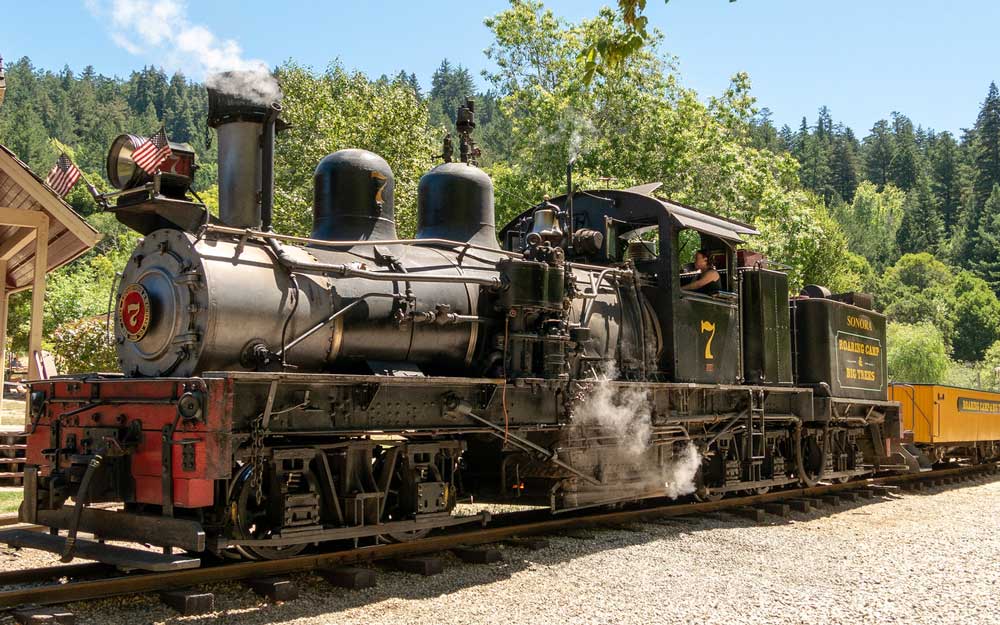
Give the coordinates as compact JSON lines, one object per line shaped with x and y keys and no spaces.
{"x":242,"y":107}
{"x":240,"y":174}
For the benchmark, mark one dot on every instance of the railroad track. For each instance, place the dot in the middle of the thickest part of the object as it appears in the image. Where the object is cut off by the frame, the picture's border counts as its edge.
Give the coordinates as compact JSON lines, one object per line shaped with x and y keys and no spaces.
{"x":506,"y":527}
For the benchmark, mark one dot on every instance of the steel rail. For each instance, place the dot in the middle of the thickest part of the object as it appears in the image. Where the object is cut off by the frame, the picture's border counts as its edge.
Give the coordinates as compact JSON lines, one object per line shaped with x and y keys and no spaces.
{"x":152,"y":582}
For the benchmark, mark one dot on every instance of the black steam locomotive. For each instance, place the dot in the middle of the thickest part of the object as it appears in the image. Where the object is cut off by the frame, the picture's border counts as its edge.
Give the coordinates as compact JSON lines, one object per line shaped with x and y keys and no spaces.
{"x":277,"y":392}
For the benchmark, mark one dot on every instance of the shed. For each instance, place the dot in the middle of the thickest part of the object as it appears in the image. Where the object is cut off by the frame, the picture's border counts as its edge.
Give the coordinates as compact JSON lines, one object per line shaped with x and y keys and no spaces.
{"x":39,"y":232}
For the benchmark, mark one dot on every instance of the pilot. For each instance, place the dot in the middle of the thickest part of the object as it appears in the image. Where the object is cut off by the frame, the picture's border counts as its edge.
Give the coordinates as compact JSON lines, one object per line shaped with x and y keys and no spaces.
{"x":708,"y":282}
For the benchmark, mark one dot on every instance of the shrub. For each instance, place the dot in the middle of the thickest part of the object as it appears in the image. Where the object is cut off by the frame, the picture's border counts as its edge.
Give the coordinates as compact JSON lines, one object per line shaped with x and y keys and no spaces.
{"x":83,"y":345}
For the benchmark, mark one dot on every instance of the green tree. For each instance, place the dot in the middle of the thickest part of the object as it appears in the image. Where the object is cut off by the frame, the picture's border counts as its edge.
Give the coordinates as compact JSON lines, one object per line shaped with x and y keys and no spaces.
{"x":916,"y":353}
{"x":878,"y":154}
{"x":703,"y":153}
{"x":921,"y":228}
{"x":919,"y":288}
{"x":946,"y":182}
{"x":987,"y":146}
{"x":845,"y":164}
{"x":84,"y":345}
{"x":985,"y":259}
{"x":338,"y":109}
{"x":976,"y":315}
{"x":871,"y":222}
{"x":450,"y":86}
{"x":906,"y":164}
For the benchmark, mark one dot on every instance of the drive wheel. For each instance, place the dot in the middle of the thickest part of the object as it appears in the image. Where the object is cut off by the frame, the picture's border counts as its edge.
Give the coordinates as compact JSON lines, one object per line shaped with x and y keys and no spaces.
{"x":251,"y":519}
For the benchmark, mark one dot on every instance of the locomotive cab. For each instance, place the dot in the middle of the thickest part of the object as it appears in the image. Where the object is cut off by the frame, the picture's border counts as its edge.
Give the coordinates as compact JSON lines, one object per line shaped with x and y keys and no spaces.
{"x":696,"y":335}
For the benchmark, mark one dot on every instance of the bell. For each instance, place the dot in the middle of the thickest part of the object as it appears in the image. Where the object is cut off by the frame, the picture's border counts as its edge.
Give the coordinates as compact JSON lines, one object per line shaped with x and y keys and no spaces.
{"x":545,"y":226}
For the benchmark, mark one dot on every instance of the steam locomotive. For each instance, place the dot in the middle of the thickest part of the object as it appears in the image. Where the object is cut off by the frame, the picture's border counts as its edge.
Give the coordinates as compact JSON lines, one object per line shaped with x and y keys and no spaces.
{"x":278,"y":392}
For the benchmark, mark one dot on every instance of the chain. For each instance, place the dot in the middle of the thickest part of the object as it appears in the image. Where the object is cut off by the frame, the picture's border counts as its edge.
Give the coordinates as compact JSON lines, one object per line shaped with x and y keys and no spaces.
{"x":257,"y":457}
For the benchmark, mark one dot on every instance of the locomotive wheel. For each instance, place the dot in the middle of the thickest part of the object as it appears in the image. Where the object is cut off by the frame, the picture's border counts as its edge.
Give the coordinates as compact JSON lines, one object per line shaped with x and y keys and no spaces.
{"x":401,"y":499}
{"x":253,"y":520}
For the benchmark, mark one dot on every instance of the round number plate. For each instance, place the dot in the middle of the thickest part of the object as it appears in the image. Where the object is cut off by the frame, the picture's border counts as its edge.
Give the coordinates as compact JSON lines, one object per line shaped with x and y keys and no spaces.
{"x":133,"y":312}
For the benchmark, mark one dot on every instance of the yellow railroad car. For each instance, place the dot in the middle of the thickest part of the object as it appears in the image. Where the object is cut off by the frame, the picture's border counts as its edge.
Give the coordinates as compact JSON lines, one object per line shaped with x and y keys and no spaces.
{"x":947,"y":422}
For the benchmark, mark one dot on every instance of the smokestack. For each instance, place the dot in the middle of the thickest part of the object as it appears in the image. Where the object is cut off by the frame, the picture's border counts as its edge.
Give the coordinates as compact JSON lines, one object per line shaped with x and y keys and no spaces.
{"x":244,"y":122}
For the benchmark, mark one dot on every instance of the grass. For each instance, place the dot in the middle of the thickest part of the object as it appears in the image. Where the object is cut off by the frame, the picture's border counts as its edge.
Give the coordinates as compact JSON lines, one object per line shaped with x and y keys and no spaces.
{"x":9,"y":501}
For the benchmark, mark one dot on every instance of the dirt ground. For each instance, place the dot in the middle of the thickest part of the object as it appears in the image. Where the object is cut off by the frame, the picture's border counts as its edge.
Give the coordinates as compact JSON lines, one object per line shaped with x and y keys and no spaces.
{"x":12,"y":413}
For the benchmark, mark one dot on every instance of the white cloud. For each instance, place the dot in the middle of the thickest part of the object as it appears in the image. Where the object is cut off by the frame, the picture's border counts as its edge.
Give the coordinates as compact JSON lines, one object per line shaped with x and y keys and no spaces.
{"x":161,"y":30}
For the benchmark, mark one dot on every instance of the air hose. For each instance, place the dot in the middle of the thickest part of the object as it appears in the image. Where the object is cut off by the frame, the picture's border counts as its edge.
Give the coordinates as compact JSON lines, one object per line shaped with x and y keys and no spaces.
{"x":81,"y":502}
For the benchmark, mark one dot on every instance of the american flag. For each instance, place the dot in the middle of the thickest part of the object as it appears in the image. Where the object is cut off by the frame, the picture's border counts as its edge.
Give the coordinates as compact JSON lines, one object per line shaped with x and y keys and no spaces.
{"x":151,"y":154}
{"x":63,"y":176}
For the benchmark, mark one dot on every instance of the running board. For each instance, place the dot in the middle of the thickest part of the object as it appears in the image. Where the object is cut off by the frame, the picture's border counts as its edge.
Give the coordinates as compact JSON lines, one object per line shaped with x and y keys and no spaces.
{"x":121,"y":557}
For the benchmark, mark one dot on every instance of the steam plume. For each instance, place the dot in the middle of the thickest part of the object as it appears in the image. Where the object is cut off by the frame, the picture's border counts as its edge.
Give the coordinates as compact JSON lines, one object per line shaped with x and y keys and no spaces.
{"x":679,"y":476}
{"x":622,"y":412}
{"x":625,"y":414}
{"x":161,"y":29}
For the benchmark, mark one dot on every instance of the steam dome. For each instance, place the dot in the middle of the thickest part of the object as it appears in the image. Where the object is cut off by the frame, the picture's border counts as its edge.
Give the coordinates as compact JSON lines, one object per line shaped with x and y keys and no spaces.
{"x":455,"y":202}
{"x":353,"y":197}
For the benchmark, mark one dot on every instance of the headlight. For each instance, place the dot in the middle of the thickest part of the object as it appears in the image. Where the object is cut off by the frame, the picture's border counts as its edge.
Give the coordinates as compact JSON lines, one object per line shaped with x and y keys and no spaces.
{"x":122,"y":171}
{"x":176,"y":173}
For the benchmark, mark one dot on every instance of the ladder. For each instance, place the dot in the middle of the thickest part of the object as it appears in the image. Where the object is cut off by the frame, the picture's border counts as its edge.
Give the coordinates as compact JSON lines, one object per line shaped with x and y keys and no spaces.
{"x":755,"y":427}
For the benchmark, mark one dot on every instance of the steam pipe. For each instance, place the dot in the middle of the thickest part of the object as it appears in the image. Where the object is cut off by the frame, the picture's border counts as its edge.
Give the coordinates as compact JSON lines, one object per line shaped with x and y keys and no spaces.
{"x":267,"y":167}
{"x":569,"y":206}
{"x":247,"y":232}
{"x":348,"y":271}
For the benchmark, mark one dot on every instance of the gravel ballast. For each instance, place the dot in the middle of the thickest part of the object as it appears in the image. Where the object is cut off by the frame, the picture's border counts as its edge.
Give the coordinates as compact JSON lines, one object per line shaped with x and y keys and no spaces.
{"x":926,"y":557}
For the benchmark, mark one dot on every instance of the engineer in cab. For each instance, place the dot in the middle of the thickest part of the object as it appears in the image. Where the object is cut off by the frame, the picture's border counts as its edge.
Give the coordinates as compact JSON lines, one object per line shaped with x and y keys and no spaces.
{"x":708,"y":281}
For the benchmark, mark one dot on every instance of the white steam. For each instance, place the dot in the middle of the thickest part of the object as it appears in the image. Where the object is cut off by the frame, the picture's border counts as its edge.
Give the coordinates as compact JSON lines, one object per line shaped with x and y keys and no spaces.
{"x":679,"y":475}
{"x":580,"y":129}
{"x":625,"y":413}
{"x":621,"y":412}
{"x":160,"y":29}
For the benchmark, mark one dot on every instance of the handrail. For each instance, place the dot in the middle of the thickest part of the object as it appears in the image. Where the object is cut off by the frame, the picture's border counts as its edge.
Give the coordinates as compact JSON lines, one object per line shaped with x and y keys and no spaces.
{"x":916,"y":408}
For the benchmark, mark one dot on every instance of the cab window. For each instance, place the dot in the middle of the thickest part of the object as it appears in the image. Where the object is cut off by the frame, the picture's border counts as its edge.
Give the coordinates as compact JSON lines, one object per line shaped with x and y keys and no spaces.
{"x":719,"y":256}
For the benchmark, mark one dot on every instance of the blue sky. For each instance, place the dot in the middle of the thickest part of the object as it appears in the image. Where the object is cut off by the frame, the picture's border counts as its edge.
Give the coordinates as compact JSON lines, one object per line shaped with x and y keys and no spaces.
{"x":929,"y":59}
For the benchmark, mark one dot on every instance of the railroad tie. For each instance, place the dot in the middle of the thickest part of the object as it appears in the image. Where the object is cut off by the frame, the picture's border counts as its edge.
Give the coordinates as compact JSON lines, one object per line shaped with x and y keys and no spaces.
{"x":33,"y":615}
{"x":352,"y":578}
{"x":831,"y":500}
{"x":425,"y":566}
{"x":478,"y":556}
{"x":778,"y":509}
{"x":189,"y":602}
{"x":274,"y":588}
{"x":800,"y":505}
{"x":754,"y":514}
{"x":848,"y":495}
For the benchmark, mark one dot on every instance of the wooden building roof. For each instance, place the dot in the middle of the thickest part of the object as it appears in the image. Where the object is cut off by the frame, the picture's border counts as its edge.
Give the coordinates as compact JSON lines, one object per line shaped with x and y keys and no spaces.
{"x":69,"y":235}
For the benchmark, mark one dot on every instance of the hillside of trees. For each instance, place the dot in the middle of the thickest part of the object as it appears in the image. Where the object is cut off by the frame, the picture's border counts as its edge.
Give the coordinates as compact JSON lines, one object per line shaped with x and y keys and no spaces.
{"x":903,"y":211}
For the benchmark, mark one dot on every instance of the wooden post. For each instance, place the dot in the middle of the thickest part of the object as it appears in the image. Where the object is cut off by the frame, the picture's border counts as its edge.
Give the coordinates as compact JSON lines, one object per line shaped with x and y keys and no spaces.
{"x":38,"y":299}
{"x":4,"y":302}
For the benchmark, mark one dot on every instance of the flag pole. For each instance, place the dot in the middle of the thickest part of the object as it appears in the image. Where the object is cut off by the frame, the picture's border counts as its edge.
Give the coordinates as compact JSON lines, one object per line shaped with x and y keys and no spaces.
{"x":102,"y":202}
